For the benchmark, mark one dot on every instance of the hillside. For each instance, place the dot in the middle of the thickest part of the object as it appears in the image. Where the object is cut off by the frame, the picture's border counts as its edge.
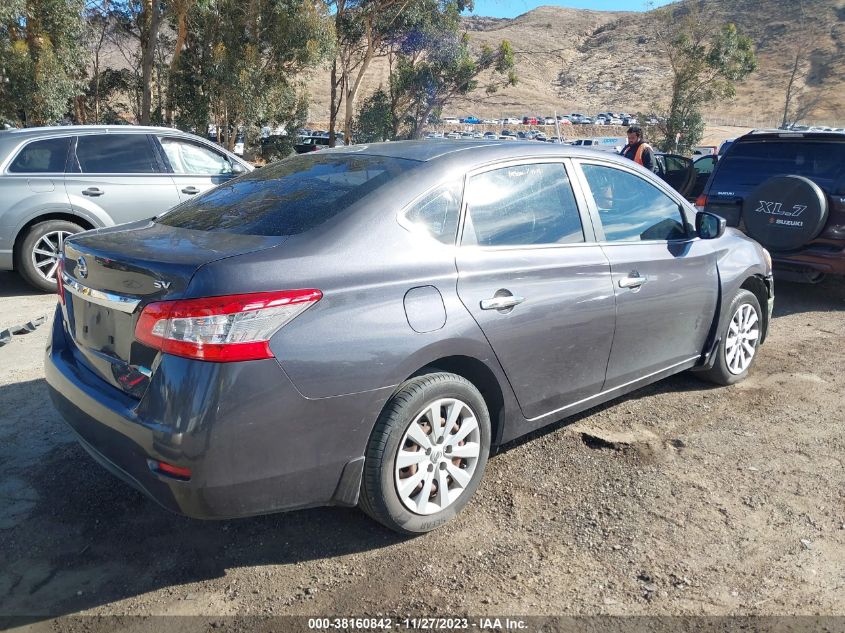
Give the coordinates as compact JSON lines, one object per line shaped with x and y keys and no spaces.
{"x":573,"y":59}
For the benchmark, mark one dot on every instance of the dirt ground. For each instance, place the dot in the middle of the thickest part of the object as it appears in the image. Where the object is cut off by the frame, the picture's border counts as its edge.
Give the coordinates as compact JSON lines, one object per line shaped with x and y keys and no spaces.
{"x":681,"y":499}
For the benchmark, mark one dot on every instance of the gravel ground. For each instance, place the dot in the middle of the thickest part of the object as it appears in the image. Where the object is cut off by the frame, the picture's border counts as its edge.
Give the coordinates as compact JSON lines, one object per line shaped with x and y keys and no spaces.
{"x":680,"y":499}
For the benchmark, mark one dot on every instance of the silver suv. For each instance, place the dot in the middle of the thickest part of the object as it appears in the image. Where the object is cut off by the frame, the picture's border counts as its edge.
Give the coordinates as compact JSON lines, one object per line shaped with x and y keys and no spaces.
{"x":57,"y":181}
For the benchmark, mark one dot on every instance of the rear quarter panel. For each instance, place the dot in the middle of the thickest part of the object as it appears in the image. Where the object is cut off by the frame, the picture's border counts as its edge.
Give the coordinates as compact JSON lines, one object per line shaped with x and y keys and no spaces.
{"x":358,"y":338}
{"x":23,"y":199}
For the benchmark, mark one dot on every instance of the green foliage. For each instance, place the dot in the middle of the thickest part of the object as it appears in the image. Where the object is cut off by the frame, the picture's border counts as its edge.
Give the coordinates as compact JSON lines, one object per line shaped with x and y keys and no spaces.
{"x":111,"y":86}
{"x":705,"y":69}
{"x":240,"y":64}
{"x":436,"y":63}
{"x":41,"y":58}
{"x":375,"y":119}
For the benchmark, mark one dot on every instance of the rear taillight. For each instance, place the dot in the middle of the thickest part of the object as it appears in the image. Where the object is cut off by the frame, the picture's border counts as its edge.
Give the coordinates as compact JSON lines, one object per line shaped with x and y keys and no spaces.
{"x":60,"y":286}
{"x":221,"y":329}
{"x":701,"y":202}
{"x":163,"y":468}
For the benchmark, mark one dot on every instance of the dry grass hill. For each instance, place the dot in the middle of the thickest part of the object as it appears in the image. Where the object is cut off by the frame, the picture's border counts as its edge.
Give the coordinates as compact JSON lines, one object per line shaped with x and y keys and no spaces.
{"x":580,"y":60}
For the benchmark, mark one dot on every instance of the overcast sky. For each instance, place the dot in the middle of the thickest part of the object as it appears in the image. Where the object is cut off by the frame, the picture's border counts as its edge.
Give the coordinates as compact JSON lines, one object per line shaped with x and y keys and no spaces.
{"x":513,"y":8}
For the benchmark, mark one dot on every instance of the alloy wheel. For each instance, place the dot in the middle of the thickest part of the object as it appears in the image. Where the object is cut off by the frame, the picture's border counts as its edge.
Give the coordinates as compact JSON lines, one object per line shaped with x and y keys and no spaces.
{"x":46,"y":252}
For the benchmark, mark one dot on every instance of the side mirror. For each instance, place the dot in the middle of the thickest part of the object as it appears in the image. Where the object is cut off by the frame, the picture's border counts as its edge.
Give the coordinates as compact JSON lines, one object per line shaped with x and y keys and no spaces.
{"x":709,"y":226}
{"x":238,"y":169}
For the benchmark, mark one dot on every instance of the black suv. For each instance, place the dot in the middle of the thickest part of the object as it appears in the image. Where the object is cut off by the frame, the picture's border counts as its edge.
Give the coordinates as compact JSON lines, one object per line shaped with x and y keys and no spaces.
{"x":787,"y":191}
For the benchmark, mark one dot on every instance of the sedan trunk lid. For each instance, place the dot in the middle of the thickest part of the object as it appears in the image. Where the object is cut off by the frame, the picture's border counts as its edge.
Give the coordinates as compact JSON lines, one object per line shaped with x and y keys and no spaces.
{"x":110,"y":275}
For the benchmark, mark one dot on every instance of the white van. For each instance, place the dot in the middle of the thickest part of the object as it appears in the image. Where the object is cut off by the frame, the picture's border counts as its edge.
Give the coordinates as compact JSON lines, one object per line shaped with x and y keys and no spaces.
{"x":606,"y":143}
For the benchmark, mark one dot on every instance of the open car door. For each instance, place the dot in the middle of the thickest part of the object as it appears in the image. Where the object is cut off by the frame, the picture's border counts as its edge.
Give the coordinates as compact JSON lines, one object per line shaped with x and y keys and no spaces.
{"x":677,"y":171}
{"x":703,"y":167}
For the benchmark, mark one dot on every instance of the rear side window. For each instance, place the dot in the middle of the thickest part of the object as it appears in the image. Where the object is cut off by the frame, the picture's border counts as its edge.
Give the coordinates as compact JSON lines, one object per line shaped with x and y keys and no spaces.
{"x":749,"y":163}
{"x":42,"y":157}
{"x":115,"y":154}
{"x":288,"y":197}
{"x":436,"y":213}
{"x":522,"y":205}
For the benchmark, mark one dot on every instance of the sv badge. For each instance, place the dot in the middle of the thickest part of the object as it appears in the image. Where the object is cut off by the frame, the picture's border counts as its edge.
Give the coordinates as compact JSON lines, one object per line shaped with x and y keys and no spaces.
{"x":163,"y":285}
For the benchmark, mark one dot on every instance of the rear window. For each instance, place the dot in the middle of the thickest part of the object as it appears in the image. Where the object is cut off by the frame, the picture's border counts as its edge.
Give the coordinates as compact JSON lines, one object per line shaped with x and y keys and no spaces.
{"x":115,"y":154}
{"x":748,"y":164}
{"x":289,"y":197}
{"x":42,"y":157}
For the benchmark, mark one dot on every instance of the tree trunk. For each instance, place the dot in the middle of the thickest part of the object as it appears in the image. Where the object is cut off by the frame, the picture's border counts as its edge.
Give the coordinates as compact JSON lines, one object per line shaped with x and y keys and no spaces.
{"x":334,"y":106}
{"x":97,"y":72}
{"x":79,"y":109}
{"x":151,"y":19}
{"x":33,"y":43}
{"x":421,"y":122}
{"x":181,"y":38}
{"x":789,"y":88}
{"x":351,"y":91}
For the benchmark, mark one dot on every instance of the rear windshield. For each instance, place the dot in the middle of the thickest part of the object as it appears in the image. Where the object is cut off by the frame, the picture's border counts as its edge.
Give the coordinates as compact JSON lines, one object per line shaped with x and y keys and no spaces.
{"x":748,"y":164}
{"x":288,"y":197}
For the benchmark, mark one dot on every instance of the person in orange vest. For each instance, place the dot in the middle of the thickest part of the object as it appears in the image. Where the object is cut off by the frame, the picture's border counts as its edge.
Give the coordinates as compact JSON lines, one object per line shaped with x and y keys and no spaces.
{"x":637,"y":149}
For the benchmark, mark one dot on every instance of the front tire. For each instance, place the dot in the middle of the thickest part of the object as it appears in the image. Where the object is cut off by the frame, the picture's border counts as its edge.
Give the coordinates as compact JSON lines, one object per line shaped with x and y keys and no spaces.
{"x":740,"y":339}
{"x":427,"y":453}
{"x":38,"y":257}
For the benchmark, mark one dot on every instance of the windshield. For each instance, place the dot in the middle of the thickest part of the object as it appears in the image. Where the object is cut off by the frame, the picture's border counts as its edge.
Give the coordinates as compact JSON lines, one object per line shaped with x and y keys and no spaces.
{"x":748,"y":164}
{"x":288,"y":197}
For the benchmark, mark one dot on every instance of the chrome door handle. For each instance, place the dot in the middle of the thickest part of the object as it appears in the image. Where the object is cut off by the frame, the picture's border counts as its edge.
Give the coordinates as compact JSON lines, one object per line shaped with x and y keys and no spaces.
{"x":632,"y":282}
{"x":501,"y":303}
{"x":190,"y":190}
{"x":93,"y":192}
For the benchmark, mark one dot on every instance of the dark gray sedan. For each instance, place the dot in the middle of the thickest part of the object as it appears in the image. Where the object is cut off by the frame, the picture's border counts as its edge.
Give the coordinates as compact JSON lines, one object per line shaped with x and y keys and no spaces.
{"x":361,"y":325}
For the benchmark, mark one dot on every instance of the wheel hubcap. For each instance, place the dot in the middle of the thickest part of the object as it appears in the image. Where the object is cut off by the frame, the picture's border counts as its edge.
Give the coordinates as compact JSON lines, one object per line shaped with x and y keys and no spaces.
{"x":46,"y":252}
{"x":437,"y":456}
{"x":741,"y":342}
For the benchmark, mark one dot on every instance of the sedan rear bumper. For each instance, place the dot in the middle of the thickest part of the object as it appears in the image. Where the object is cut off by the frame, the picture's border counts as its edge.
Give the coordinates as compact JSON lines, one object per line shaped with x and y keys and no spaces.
{"x":253,"y":444}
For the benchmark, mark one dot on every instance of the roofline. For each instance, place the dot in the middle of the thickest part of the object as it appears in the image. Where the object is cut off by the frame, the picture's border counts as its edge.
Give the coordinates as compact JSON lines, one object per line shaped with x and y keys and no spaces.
{"x":72,"y":129}
{"x":775,"y":132}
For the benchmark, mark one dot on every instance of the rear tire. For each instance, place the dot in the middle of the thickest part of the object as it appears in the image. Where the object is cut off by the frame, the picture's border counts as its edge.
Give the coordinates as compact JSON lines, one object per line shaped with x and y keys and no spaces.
{"x":443,"y":465}
{"x":740,"y":339}
{"x":37,"y":257}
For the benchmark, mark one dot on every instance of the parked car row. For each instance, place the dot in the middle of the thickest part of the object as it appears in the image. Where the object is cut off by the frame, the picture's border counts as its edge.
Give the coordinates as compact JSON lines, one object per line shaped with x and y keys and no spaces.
{"x":603,"y":118}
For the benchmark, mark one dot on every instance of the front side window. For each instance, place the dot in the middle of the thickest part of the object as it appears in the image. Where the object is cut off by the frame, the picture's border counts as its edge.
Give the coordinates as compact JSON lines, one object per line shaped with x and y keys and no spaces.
{"x":632,"y":209}
{"x":437,"y":213}
{"x":42,"y":157}
{"x":289,"y":197}
{"x":190,"y":158}
{"x":115,"y":154}
{"x":522,"y":205}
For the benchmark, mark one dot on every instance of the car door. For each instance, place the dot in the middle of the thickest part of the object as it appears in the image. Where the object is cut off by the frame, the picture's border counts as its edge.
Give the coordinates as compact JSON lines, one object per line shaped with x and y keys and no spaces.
{"x":532,"y":276}
{"x":665,"y":279}
{"x":677,"y":171}
{"x":196,"y":167}
{"x":118,"y":178}
{"x":703,"y":167}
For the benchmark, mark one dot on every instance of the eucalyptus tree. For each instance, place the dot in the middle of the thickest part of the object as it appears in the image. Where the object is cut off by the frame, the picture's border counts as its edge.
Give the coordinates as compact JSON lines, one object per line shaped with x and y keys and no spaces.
{"x":42,"y":59}
{"x":707,"y":61}
{"x":242,"y":62}
{"x":435,"y":62}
